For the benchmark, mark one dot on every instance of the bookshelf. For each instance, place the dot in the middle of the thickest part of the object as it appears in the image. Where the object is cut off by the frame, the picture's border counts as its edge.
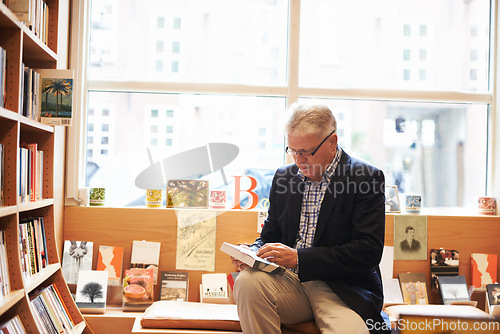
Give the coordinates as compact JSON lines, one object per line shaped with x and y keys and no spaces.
{"x":25,"y":47}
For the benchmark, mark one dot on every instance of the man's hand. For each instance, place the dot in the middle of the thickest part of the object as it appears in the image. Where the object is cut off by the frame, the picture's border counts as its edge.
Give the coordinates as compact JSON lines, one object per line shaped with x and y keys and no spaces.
{"x":279,"y":254}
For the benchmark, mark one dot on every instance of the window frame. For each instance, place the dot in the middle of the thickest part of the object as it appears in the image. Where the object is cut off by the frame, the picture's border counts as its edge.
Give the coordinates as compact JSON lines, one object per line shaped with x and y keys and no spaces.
{"x":76,"y":140}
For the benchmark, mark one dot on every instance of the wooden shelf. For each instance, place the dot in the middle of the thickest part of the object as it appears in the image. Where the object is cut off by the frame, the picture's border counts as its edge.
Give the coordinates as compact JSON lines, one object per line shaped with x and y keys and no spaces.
{"x":24,"y":47}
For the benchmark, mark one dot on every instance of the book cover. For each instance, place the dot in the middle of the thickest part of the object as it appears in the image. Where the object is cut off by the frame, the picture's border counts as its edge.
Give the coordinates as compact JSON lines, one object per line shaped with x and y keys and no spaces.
{"x":214,"y":286}
{"x":493,"y":299}
{"x":56,"y":95}
{"x":453,"y":289}
{"x":444,"y":262}
{"x":392,"y":291}
{"x":77,"y":255}
{"x":187,"y":193}
{"x":483,"y":269}
{"x":138,"y":289}
{"x":146,"y":255}
{"x":414,"y":288}
{"x":91,"y":291}
{"x":110,"y":259}
{"x":248,"y":256}
{"x":174,"y":285}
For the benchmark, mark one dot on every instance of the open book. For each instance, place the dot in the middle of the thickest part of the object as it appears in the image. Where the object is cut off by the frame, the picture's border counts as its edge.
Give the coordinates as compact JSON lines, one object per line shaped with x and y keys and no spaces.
{"x":248,"y":256}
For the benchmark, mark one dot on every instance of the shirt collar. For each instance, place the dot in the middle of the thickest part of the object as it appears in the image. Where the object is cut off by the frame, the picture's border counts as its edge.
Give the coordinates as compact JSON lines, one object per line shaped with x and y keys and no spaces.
{"x":330,"y":169}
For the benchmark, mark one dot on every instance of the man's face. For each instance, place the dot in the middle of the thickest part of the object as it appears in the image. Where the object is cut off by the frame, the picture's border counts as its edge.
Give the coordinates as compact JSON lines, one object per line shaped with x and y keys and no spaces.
{"x":411,"y":234}
{"x":312,"y":166}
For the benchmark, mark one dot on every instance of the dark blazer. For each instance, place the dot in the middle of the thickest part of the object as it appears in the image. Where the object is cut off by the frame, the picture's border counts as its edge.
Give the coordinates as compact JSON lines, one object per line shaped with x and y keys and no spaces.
{"x":349,"y":238}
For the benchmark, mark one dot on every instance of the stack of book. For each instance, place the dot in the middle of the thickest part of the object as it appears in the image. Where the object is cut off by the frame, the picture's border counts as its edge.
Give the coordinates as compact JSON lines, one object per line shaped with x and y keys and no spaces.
{"x":4,"y":267}
{"x":50,"y":312}
{"x":33,"y":245}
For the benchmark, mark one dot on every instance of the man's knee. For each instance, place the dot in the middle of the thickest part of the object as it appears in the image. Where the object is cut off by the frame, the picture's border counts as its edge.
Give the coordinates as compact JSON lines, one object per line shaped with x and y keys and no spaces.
{"x":249,"y":282}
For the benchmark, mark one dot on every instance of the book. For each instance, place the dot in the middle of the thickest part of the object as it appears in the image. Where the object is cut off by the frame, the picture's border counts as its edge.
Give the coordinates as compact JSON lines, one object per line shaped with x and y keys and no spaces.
{"x":392,"y":291}
{"x":138,"y":289}
{"x":414,"y":288}
{"x":483,"y":269}
{"x":91,"y":291}
{"x":187,"y":193}
{"x":174,"y":285}
{"x":453,"y":289}
{"x":214,"y":286}
{"x":493,"y":299}
{"x":146,"y":255}
{"x":77,"y":255}
{"x":56,"y":96}
{"x":248,"y":256}
{"x":110,"y":259}
{"x":13,"y":325}
{"x":444,"y":262}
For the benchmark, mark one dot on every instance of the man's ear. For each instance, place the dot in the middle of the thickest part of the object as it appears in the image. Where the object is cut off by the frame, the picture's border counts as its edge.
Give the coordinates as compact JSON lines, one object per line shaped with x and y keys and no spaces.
{"x":334,"y":139}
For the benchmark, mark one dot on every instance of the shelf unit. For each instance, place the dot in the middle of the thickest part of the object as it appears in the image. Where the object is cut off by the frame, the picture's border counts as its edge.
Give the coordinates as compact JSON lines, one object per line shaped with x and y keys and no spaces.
{"x":23,"y":46}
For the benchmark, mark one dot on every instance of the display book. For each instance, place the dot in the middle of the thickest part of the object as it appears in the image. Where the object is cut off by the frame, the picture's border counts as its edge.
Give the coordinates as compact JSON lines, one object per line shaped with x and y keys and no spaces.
{"x":248,"y":257}
{"x":174,"y":285}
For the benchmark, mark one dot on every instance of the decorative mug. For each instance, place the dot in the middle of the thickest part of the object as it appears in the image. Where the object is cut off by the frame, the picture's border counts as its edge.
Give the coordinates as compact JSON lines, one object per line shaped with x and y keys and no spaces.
{"x":413,"y":203}
{"x":218,"y":199}
{"x":153,"y":198}
{"x":486,"y":205}
{"x":97,"y":196}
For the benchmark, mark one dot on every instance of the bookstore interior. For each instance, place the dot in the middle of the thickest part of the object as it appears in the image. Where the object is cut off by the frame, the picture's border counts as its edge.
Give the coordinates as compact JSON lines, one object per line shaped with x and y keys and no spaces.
{"x":78,"y":264}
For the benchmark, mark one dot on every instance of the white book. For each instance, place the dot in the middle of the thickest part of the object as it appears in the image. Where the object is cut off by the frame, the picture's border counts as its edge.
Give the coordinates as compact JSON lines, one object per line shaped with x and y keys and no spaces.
{"x":249,"y":257}
{"x":91,"y":291}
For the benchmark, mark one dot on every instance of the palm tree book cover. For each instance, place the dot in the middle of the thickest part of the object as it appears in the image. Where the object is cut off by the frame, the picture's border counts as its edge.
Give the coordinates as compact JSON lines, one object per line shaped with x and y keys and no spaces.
{"x":56,"y":96}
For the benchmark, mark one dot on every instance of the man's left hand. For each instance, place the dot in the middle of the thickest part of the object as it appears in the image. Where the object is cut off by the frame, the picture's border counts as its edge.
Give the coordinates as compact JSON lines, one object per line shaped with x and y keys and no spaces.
{"x":280,"y":254}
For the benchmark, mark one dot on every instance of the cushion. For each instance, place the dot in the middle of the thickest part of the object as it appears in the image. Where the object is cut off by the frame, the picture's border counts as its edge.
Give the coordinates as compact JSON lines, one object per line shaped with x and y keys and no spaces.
{"x":177,"y":314}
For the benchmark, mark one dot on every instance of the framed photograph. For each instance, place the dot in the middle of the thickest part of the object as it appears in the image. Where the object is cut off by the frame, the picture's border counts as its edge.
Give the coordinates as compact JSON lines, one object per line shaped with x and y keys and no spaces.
{"x":392,"y":199}
{"x":187,"y":193}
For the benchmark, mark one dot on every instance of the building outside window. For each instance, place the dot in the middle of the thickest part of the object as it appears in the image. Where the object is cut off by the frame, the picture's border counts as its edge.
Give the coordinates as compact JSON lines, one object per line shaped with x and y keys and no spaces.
{"x":409,"y":86}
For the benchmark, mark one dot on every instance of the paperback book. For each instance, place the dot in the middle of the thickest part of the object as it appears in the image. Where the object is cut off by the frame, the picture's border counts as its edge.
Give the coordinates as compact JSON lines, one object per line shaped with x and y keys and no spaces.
{"x":56,"y":94}
{"x":77,"y":255}
{"x":214,"y":286}
{"x":174,"y":285}
{"x":248,"y":256}
{"x":414,"y":288}
{"x":146,"y":255}
{"x":483,"y":269}
{"x":138,"y":289}
{"x":493,"y":299}
{"x":91,"y":291}
{"x":110,"y":259}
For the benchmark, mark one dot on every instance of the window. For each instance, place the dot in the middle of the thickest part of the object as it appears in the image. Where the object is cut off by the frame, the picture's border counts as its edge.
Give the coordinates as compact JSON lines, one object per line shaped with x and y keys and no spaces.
{"x":197,"y":72}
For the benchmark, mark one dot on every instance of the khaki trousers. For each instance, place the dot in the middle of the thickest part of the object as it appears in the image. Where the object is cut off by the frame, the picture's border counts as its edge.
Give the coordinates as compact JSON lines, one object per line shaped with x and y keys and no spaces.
{"x":266,"y":300}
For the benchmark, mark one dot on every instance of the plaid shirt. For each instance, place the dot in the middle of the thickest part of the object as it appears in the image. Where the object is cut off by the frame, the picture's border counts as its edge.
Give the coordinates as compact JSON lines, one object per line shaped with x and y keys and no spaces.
{"x":314,"y":192}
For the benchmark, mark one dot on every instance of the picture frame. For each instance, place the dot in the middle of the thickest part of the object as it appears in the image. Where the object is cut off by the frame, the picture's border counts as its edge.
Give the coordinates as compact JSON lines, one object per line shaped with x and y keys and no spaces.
{"x":392,"y":199}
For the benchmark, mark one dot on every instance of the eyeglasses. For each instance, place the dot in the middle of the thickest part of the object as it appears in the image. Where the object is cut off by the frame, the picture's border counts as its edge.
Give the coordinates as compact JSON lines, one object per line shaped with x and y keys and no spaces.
{"x":306,"y":154}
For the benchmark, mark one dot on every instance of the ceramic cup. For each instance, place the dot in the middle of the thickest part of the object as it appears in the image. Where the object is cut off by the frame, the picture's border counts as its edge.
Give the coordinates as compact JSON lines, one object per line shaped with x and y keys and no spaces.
{"x":218,"y":199}
{"x":153,"y":198}
{"x":97,"y":196}
{"x":413,"y":203}
{"x":486,"y":205}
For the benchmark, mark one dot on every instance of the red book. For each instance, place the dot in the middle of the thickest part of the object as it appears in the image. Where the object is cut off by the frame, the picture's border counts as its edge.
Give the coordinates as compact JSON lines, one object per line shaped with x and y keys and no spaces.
{"x":483,"y":269}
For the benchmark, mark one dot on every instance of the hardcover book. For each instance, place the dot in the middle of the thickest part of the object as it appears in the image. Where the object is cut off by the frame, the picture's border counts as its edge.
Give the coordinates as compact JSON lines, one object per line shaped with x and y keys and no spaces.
{"x":248,"y":256}
{"x":187,"y":193}
{"x":110,"y":259}
{"x":138,"y":289}
{"x":77,"y":255}
{"x":453,"y":289}
{"x":56,"y":95}
{"x":174,"y":285}
{"x":414,"y":288}
{"x":483,"y":269}
{"x":91,"y":291}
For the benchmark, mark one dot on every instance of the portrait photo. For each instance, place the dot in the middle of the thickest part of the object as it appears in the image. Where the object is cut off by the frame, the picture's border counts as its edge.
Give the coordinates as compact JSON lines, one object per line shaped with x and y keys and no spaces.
{"x":410,"y":237}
